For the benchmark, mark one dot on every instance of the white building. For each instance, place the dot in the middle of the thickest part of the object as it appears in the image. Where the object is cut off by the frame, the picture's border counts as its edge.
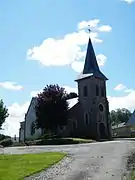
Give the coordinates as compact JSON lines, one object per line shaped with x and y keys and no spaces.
{"x":27,"y":127}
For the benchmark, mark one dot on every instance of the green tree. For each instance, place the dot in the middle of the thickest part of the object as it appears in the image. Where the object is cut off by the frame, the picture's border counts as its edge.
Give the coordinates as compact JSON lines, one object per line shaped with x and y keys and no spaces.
{"x":71,"y":95}
{"x":3,"y":113}
{"x":51,"y":108}
{"x":119,"y":116}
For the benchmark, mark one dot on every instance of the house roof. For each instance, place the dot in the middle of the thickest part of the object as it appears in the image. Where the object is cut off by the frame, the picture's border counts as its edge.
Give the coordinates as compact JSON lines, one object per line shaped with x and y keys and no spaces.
{"x":72,"y":102}
{"x":131,"y":120}
{"x":119,"y":125}
{"x":32,"y":102}
{"x":91,"y":67}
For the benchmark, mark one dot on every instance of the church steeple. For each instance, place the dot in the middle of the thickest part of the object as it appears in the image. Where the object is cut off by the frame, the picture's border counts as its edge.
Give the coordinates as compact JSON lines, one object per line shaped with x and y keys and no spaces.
{"x":91,"y":67}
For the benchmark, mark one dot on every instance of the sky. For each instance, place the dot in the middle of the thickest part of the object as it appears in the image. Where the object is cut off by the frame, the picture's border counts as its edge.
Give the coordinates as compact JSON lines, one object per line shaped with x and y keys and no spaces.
{"x":44,"y":42}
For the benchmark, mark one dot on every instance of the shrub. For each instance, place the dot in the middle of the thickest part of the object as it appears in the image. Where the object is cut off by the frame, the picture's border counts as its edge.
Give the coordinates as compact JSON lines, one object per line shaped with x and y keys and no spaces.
{"x":2,"y":137}
{"x":62,"y":141}
{"x":48,"y":136}
{"x":6,"y":142}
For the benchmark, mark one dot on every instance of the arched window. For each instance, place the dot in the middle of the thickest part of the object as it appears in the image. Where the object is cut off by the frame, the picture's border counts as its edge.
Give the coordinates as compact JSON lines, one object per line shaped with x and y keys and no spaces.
{"x":86,"y":118}
{"x":97,"y":90}
{"x":85,"y":91}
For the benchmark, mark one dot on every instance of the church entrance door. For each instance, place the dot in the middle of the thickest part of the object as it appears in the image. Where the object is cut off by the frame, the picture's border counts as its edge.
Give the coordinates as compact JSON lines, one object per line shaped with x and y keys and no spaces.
{"x":102,"y":131}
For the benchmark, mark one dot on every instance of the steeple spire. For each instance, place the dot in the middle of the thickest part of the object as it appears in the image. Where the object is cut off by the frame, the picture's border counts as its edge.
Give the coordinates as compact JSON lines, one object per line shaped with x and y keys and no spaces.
{"x":91,"y":67}
{"x":91,"y":64}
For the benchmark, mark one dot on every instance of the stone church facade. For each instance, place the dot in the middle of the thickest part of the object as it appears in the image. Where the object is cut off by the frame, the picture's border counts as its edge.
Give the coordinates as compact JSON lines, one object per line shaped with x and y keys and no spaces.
{"x":89,"y":117}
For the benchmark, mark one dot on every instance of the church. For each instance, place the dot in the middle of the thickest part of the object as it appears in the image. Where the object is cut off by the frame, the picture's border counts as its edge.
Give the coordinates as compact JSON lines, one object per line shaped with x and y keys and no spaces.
{"x":89,"y":117}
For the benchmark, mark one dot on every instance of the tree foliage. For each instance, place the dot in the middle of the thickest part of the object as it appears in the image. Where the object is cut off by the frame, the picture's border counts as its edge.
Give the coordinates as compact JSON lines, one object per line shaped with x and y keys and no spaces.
{"x":71,"y":95}
{"x":119,"y":116}
{"x":52,"y":108}
{"x":3,"y":113}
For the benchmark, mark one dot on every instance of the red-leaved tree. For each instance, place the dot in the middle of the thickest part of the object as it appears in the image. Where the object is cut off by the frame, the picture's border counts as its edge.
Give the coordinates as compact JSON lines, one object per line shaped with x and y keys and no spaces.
{"x":52,"y":108}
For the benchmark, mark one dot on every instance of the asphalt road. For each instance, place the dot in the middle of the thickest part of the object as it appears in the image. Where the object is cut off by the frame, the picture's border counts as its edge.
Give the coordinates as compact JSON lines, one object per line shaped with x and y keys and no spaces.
{"x":95,"y":161}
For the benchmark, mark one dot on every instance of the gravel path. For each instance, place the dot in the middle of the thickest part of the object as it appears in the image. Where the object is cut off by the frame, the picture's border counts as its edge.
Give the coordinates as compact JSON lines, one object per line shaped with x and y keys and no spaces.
{"x":95,"y":161}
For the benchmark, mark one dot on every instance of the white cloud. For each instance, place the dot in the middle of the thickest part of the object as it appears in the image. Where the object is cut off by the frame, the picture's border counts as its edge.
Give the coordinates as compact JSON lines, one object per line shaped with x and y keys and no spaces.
{"x":16,"y":115}
{"x":127,"y":101}
{"x":101,"y":59}
{"x":67,"y":50}
{"x":78,"y":66}
{"x":92,"y":23}
{"x":35,"y":93}
{"x":105,"y":28}
{"x":71,"y":89}
{"x":62,"y":51}
{"x":128,"y":90}
{"x":129,"y":1}
{"x":10,"y":85}
{"x":119,"y":87}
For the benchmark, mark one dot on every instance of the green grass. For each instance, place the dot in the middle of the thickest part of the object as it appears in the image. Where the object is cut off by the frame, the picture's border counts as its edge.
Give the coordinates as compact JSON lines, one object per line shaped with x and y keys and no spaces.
{"x":16,"y":167}
{"x":133,"y":174}
{"x":82,"y":140}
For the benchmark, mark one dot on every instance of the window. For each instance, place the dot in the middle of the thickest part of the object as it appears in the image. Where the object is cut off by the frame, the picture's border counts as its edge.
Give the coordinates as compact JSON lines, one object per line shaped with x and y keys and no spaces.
{"x":97,"y":90}
{"x":85,"y":91}
{"x":33,"y":128}
{"x":101,"y":107}
{"x":86,"y":118}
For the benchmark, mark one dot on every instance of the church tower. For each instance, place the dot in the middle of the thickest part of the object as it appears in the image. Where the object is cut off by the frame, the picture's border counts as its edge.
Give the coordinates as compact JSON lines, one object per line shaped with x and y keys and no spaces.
{"x":92,"y":97}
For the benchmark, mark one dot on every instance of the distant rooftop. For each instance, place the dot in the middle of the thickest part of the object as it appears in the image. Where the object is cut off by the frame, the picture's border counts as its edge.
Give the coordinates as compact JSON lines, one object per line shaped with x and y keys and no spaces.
{"x":131,"y":120}
{"x":119,"y":125}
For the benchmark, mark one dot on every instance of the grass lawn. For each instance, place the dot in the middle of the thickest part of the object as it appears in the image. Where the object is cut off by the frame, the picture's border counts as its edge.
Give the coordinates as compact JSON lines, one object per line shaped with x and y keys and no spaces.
{"x":81,"y":140}
{"x":16,"y":167}
{"x":133,"y":175}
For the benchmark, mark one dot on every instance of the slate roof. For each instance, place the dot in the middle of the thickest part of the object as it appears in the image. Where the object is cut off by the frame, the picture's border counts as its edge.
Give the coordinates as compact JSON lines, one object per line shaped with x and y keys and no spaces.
{"x":72,"y":102}
{"x":32,"y":103}
{"x":131,"y":120}
{"x":91,"y":67}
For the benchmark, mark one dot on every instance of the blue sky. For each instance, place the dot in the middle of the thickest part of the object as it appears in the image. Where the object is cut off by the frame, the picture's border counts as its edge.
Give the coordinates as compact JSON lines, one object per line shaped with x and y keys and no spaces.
{"x":31,"y":60}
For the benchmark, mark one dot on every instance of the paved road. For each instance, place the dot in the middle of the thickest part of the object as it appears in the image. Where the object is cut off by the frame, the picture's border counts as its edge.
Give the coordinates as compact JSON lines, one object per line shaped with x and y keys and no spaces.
{"x":96,"y":161}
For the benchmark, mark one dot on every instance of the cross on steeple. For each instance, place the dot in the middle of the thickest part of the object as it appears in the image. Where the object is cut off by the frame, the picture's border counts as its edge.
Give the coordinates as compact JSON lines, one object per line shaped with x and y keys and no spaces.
{"x":89,"y":30}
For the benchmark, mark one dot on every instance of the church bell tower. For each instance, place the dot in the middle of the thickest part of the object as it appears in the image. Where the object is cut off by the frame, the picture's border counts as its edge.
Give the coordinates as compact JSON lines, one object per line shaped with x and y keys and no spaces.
{"x":92,"y":97}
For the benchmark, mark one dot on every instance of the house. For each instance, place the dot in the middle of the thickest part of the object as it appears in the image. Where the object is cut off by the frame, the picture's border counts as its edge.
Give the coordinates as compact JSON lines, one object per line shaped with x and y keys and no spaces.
{"x":89,"y":116}
{"x":125,"y":129}
{"x":27,"y":128}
